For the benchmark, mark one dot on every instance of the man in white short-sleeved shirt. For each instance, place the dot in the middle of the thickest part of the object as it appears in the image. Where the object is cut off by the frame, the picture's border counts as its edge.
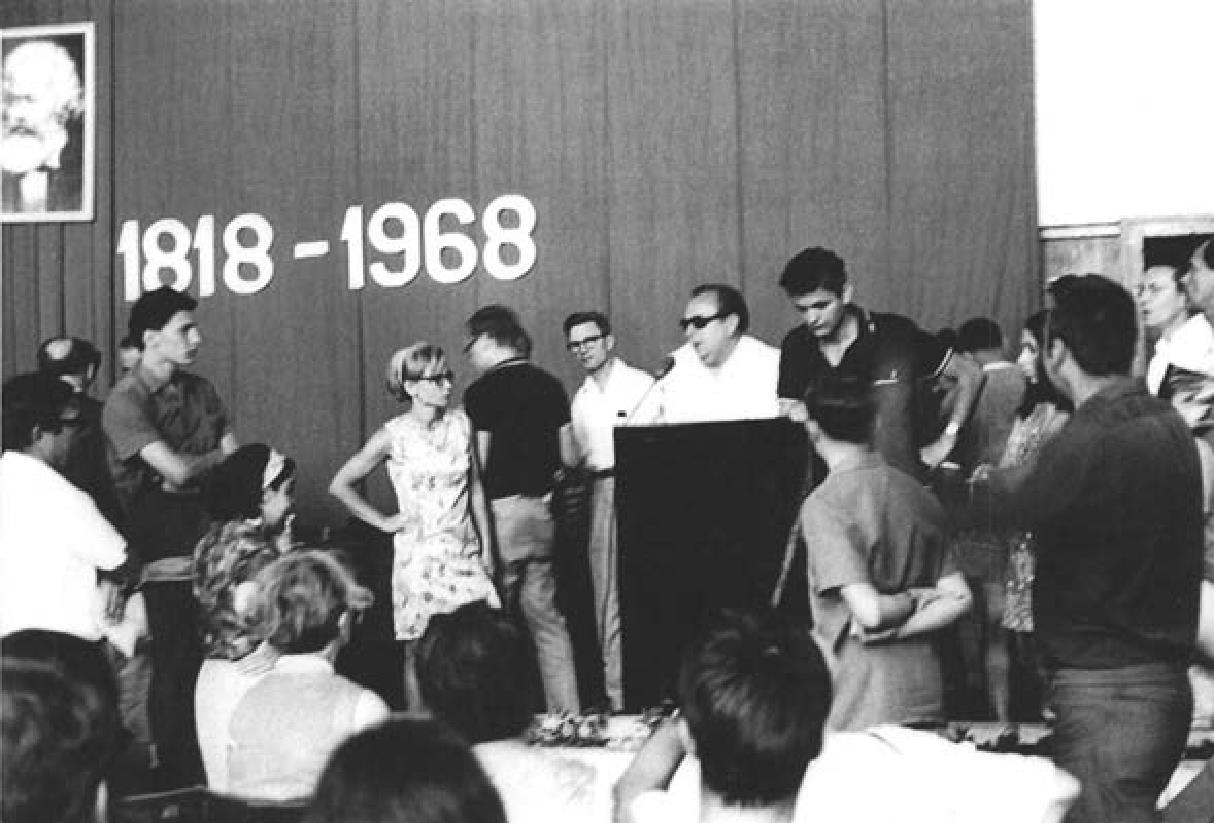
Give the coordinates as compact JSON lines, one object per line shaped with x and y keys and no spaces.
{"x":611,"y":396}
{"x":53,"y":540}
{"x":720,"y":373}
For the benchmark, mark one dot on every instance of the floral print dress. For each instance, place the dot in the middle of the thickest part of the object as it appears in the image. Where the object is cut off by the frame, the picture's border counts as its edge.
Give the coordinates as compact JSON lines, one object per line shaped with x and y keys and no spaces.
{"x":437,"y":565}
{"x":1028,"y":436}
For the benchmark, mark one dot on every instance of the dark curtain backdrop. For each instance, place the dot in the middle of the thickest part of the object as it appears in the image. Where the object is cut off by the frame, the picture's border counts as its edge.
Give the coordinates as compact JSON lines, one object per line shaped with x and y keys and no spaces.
{"x":664,"y":143}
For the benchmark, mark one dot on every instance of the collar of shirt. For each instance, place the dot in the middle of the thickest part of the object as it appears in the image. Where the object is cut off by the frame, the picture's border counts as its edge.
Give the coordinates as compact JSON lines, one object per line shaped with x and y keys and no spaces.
{"x":149,"y":381}
{"x":303,"y":664}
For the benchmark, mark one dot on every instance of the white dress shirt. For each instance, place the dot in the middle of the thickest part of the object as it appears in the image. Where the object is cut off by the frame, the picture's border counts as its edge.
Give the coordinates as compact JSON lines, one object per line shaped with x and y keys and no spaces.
{"x":741,"y":388}
{"x":598,"y":408}
{"x":52,"y":542}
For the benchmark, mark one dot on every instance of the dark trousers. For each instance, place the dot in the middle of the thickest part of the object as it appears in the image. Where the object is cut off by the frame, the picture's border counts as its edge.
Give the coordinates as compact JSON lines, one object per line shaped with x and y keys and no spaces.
{"x":176,"y":653}
{"x":1121,"y":732}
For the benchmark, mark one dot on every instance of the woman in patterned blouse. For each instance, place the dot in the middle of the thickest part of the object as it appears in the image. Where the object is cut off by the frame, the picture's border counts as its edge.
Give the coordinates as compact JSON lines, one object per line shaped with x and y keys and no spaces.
{"x":250,"y":501}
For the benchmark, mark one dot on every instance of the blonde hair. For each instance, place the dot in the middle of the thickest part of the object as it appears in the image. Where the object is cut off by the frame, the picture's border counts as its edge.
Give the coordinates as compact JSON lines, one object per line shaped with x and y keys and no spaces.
{"x":302,"y":597}
{"x":412,"y":363}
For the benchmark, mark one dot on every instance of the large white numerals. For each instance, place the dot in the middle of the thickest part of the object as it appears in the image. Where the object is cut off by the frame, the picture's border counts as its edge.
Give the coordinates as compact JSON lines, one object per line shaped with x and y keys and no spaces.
{"x":166,"y":245}
{"x":174,"y":257}
{"x":408,"y":244}
{"x":437,"y":241}
{"x":256,"y":255}
{"x":394,"y":232}
{"x":497,"y":236}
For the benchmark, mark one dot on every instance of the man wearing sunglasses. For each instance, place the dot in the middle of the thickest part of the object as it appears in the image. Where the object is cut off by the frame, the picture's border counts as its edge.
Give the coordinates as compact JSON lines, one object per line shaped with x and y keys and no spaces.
{"x":837,"y":338}
{"x":720,"y":373}
{"x":54,"y":542}
{"x":611,"y":396}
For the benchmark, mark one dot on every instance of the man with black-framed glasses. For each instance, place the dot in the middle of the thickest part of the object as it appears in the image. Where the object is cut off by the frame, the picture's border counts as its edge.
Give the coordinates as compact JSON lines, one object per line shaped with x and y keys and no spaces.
{"x":720,"y":373}
{"x":612,"y":395}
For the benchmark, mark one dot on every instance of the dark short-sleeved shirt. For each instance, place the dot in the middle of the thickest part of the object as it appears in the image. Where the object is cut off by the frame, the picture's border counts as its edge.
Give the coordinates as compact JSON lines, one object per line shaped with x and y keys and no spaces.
{"x":1115,"y":503}
{"x":870,"y":523}
{"x":187,"y":414}
{"x":87,"y":464}
{"x":524,"y":408}
{"x":898,"y":357}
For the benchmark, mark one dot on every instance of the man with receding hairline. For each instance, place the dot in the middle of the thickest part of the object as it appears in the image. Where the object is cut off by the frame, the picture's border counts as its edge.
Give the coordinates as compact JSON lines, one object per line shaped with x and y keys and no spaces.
{"x":720,"y":373}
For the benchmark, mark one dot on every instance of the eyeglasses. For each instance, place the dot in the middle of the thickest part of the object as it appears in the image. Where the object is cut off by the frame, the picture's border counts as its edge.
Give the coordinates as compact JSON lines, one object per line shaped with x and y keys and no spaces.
{"x":447,"y":376}
{"x":585,"y":342}
{"x":699,"y":320}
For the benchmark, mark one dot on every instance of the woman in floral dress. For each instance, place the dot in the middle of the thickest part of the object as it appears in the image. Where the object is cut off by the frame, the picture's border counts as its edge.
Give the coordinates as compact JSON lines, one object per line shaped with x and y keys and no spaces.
{"x":1042,"y":413}
{"x":441,"y":559}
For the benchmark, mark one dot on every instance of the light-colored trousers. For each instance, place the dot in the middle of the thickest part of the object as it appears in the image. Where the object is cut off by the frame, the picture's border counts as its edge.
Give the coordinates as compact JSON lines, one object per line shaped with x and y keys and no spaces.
{"x":604,"y":576}
{"x":525,"y":536}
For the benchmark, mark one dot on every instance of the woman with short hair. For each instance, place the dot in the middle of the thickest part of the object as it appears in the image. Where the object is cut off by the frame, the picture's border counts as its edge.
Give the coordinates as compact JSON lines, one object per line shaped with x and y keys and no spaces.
{"x":286,"y":726}
{"x":442,"y":557}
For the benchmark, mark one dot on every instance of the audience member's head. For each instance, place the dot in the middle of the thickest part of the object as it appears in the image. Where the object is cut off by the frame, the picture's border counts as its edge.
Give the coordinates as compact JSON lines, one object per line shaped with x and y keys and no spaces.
{"x":406,"y":771}
{"x":1198,"y":276}
{"x":60,"y":729}
{"x":754,"y":696}
{"x":715,"y":317}
{"x":462,"y":661}
{"x":979,"y":334}
{"x":306,"y":602}
{"x":414,"y":365}
{"x":39,"y":416}
{"x":128,"y":355}
{"x":253,"y":482}
{"x":70,"y":357}
{"x":842,"y":409}
{"x":157,"y":311}
{"x":499,"y":325}
{"x":1162,"y":299}
{"x":1095,"y":319}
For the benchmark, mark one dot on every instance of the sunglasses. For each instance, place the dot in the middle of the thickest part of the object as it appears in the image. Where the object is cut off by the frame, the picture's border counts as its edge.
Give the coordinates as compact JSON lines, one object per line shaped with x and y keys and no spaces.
{"x":447,"y":376}
{"x":574,"y":345}
{"x":699,"y":321}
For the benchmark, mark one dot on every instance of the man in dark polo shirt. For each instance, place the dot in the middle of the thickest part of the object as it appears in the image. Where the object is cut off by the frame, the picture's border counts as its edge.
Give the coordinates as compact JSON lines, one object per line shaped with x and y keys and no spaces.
{"x":840,"y":339}
{"x":523,"y":437}
{"x":1115,"y":501}
{"x":166,"y":429}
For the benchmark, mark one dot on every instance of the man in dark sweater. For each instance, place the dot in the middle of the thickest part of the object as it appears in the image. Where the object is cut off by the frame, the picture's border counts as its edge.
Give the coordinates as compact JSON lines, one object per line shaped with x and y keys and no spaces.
{"x":520,"y":414}
{"x":1115,"y":502}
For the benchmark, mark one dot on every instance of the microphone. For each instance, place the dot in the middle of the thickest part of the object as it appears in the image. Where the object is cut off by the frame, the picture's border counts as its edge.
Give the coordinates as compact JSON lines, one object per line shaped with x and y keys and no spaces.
{"x":659,"y":374}
{"x":666,"y":368}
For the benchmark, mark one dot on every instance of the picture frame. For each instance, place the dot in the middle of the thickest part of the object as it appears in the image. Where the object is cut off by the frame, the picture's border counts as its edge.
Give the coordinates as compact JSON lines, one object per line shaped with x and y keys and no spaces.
{"x":48,"y":123}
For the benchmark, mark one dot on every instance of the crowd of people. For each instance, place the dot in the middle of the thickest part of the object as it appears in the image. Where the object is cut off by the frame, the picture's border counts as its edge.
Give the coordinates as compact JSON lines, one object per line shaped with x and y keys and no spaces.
{"x":1044,"y":517}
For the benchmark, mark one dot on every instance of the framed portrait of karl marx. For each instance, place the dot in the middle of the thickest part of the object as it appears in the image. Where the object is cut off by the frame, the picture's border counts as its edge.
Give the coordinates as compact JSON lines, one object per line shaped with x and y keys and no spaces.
{"x":47,"y":123}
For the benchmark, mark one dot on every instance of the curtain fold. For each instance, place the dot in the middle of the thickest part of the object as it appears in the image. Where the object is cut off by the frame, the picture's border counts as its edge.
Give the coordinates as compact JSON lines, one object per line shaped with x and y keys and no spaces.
{"x":663,"y":144}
